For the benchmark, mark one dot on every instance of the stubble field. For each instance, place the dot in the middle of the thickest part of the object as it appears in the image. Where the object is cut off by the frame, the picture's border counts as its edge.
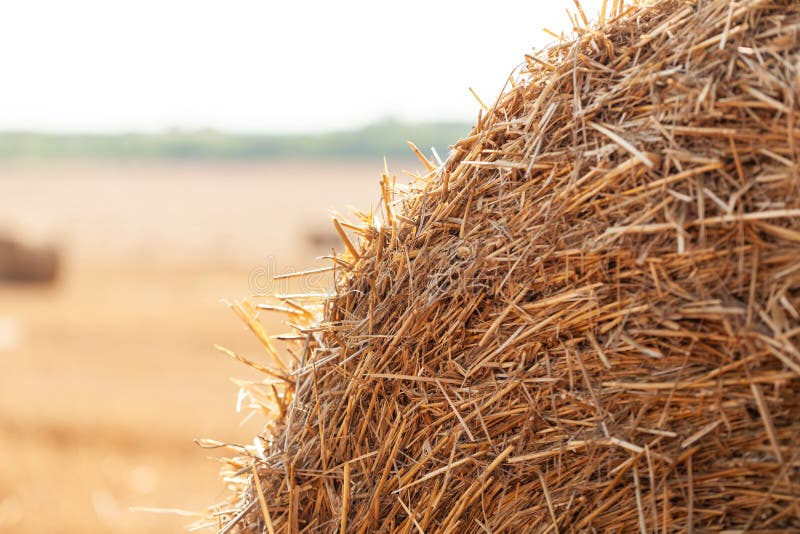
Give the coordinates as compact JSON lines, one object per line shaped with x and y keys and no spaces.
{"x":107,"y":375}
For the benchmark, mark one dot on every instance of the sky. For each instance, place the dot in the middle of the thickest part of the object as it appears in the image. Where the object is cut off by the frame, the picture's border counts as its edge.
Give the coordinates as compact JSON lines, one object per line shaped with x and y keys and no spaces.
{"x":259,"y":65}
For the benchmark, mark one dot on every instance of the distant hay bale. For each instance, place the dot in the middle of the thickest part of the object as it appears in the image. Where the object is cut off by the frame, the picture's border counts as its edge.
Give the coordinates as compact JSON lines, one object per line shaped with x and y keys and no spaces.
{"x":27,"y":264}
{"x":587,"y":319}
{"x":320,"y":239}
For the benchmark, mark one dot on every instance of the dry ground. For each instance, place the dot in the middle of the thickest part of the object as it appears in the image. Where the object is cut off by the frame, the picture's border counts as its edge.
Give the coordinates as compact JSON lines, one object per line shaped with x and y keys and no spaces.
{"x":107,"y":376}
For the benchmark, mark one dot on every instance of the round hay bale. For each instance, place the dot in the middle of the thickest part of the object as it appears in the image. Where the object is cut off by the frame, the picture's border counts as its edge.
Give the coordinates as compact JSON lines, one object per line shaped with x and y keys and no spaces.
{"x":20,"y":263}
{"x":586,"y":320}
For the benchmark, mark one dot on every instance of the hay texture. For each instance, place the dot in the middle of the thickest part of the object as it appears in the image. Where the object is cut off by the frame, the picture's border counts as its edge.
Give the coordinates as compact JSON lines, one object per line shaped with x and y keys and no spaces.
{"x":586,"y":319}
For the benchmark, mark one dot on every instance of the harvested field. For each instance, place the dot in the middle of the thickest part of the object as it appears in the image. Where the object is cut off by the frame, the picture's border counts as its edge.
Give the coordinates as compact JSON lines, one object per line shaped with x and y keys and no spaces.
{"x":585,"y":320}
{"x":107,"y":375}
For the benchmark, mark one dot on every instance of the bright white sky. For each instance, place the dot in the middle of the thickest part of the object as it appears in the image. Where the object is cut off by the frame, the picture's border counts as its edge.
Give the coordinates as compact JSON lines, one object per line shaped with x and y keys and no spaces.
{"x":259,"y":65}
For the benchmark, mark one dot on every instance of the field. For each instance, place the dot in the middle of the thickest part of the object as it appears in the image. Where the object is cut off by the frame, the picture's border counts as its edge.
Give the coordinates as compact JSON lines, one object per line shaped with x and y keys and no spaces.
{"x":108,"y":375}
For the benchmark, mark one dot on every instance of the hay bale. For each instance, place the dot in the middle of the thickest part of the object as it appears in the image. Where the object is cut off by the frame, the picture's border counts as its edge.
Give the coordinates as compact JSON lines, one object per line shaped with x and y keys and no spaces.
{"x":586,"y":320}
{"x":20,"y":263}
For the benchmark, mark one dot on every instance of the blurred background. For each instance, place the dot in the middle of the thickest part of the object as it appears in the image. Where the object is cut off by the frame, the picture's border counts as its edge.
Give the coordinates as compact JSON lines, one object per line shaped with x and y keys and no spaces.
{"x":157,"y":157}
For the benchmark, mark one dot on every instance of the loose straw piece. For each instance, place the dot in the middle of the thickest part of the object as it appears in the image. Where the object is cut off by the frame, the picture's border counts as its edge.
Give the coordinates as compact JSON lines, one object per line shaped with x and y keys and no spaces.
{"x":345,"y":499}
{"x":263,"y":502}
